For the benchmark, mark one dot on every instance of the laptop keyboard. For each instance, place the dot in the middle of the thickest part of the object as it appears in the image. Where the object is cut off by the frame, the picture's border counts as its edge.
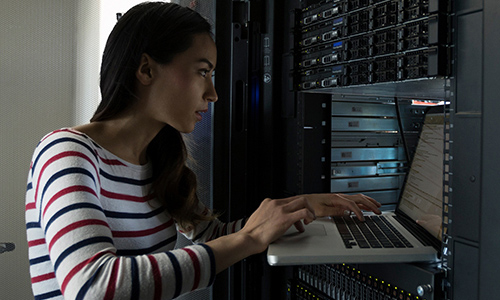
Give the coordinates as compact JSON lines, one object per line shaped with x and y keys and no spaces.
{"x":374,"y":232}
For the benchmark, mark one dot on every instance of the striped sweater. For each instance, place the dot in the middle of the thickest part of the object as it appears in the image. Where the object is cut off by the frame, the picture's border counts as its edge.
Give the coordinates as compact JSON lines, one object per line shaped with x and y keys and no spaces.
{"x":95,"y":233}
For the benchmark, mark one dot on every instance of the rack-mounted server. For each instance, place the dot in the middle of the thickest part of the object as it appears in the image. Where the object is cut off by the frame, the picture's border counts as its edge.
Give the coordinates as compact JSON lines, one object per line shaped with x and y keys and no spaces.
{"x":344,"y":43}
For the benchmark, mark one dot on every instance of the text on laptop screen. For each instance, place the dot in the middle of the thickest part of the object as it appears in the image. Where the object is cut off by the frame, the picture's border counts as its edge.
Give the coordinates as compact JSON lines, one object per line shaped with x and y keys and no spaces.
{"x":423,"y":193}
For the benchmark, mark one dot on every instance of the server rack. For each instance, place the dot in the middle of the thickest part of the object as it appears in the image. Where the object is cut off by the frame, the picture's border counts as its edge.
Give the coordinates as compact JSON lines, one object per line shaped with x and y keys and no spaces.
{"x":290,"y":102}
{"x":358,"y":66}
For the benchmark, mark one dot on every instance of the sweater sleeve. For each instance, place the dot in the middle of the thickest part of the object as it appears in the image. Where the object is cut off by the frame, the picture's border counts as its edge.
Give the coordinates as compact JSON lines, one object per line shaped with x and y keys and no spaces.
{"x":207,"y":231}
{"x":71,"y":247}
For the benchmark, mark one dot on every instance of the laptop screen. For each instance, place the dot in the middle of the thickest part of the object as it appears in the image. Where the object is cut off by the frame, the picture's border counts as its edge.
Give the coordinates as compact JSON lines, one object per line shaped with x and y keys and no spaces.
{"x":423,"y":192}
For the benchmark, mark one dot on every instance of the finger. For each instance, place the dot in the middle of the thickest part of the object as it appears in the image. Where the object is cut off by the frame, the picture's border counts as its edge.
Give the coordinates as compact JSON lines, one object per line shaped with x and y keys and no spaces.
{"x":304,"y":215}
{"x":298,"y":203}
{"x":366,"y":208}
{"x":353,"y":207}
{"x":371,"y":200}
{"x":299,"y":226}
{"x":367,"y":203}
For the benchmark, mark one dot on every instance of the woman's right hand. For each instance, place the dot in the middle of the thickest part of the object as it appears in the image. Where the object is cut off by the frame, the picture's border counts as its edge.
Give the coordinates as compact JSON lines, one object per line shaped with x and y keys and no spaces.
{"x":273,"y":218}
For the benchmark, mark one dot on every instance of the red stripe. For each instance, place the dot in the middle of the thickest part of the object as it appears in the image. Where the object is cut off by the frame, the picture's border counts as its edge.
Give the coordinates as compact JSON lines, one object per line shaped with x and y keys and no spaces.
{"x":31,"y":205}
{"x":79,"y":267}
{"x":125,"y":197}
{"x":57,"y":157}
{"x":110,"y":291}
{"x":36,"y":242}
{"x":68,"y":190}
{"x":156,"y":277}
{"x":74,"y":226}
{"x":145,"y":232}
{"x":57,"y":131}
{"x":43,"y":277}
{"x":196,"y":266}
{"x":112,"y":162}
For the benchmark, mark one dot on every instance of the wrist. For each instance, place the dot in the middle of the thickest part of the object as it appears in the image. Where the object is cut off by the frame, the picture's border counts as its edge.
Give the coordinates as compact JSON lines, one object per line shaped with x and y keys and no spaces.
{"x":250,"y":243}
{"x":230,"y":249}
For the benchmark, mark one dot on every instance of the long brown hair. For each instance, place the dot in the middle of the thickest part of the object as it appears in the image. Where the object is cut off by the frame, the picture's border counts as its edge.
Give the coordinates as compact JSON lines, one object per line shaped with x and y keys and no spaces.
{"x":161,"y":30}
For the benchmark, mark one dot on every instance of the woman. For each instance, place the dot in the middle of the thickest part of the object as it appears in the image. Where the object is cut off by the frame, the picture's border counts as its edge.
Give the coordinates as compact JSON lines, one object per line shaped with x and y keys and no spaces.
{"x":105,"y":199}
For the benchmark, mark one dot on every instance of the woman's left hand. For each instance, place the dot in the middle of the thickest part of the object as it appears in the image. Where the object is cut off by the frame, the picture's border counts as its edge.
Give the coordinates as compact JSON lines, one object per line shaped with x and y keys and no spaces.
{"x":337,"y":204}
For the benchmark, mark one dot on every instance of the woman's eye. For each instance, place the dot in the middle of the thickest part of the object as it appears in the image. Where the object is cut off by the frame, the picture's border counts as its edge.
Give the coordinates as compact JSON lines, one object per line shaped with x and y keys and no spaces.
{"x":204,"y":73}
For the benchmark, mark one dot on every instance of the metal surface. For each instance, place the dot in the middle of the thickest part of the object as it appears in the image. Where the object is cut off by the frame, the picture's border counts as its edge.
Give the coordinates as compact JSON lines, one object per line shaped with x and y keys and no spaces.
{"x":432,"y":88}
{"x":362,"y":184}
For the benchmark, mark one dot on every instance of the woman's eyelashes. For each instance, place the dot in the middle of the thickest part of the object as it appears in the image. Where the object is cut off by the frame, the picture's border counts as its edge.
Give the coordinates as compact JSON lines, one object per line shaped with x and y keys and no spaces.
{"x":206,"y":72}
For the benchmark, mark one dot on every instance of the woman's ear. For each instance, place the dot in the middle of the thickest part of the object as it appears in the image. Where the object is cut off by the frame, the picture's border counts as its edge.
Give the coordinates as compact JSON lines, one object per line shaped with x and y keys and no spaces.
{"x":144,"y":72}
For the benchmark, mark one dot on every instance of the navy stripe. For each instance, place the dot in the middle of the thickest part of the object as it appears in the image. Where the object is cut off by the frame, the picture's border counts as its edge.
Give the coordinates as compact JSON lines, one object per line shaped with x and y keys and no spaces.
{"x":212,"y":263}
{"x":203,"y":232}
{"x":58,"y":141}
{"x":81,"y":244}
{"x":122,"y":215}
{"x":60,"y":174}
{"x":48,"y":295}
{"x":127,"y":252}
{"x":32,"y":225}
{"x":39,"y":260}
{"x":29,"y":186}
{"x":65,"y":172}
{"x":178,"y":274}
{"x":85,"y":288}
{"x":76,"y":206}
{"x":136,"y":284}
{"x":125,"y":179}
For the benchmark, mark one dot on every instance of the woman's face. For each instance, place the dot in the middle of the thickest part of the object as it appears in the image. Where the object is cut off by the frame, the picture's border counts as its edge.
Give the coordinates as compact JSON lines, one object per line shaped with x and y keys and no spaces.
{"x":182,"y":89}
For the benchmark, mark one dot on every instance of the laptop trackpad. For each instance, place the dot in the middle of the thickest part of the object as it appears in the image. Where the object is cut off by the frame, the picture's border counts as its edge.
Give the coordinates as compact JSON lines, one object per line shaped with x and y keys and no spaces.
{"x":311,"y":230}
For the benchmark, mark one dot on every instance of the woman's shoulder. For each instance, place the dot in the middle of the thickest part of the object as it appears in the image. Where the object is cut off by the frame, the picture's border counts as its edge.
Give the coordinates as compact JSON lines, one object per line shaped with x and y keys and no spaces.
{"x":66,"y":139}
{"x":67,"y":136}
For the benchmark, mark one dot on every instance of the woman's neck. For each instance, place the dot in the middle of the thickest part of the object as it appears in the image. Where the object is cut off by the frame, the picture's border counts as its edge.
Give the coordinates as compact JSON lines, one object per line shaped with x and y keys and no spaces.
{"x":125,"y":137}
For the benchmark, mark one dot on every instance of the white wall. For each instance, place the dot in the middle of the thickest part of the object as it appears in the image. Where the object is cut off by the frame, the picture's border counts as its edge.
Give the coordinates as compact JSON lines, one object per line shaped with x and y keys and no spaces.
{"x":87,"y":60}
{"x":36,"y":95}
{"x":50,"y":53}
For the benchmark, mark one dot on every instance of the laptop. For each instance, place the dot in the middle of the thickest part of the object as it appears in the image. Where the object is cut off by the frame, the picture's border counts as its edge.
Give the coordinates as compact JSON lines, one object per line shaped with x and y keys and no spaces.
{"x":347,"y":240}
